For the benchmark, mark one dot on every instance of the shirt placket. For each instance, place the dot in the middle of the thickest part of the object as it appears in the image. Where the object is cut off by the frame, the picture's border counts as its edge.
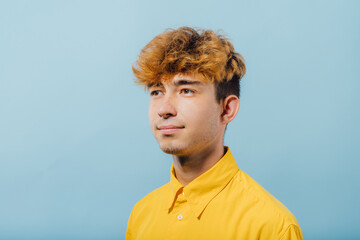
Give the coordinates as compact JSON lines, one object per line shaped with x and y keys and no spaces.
{"x":179,"y":218}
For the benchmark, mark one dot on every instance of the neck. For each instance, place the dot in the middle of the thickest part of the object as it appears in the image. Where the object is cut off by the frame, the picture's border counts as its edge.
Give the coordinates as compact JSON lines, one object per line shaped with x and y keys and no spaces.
{"x":191,"y":166}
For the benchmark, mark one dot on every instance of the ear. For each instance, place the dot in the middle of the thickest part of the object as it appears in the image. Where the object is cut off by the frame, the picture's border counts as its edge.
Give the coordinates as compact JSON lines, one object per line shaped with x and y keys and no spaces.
{"x":231,"y":105}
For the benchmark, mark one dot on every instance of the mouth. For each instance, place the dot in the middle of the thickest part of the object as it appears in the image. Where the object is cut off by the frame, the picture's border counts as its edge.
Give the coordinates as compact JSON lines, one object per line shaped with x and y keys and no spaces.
{"x":169,"y":129}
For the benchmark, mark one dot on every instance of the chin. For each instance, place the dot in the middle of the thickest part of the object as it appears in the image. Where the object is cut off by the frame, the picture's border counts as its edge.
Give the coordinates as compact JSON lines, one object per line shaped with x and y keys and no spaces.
{"x":171,"y":149}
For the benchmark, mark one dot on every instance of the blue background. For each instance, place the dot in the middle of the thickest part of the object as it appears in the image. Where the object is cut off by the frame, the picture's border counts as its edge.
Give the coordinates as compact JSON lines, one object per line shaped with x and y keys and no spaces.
{"x":76,"y":150}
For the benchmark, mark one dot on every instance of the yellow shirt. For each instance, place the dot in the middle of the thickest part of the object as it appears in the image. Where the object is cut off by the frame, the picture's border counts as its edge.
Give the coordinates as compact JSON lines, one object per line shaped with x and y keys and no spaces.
{"x":222,"y":203}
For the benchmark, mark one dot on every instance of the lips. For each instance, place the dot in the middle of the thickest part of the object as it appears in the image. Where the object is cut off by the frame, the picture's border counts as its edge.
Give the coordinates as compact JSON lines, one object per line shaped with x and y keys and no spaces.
{"x":169,"y":129}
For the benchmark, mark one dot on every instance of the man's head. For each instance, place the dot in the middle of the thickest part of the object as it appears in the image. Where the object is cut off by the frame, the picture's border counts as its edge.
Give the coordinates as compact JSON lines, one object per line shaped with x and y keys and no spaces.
{"x":188,"y":51}
{"x":193,"y":77}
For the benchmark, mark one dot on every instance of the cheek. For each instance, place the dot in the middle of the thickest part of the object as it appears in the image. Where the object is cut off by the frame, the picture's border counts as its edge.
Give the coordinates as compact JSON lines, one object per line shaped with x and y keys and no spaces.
{"x":201,"y":116}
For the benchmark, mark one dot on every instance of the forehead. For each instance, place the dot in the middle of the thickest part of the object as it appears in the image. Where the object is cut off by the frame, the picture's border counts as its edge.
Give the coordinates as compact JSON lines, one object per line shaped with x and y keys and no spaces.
{"x":191,"y":77}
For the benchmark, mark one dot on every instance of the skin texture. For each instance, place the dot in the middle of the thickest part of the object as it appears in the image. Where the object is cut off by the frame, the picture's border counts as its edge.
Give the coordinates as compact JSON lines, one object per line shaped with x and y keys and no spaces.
{"x":189,"y":123}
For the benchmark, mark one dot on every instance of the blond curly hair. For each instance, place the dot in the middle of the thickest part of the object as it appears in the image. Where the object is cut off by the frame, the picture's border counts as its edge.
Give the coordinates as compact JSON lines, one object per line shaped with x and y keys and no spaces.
{"x":189,"y":51}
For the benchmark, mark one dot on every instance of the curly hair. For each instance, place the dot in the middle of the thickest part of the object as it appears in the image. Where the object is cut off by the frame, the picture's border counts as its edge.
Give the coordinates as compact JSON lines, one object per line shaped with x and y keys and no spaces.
{"x":191,"y":51}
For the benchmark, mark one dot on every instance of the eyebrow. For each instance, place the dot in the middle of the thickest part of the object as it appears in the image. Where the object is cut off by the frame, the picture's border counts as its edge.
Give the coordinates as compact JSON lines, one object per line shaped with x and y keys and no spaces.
{"x":154,"y":84}
{"x":177,"y":83}
{"x":186,"y":82}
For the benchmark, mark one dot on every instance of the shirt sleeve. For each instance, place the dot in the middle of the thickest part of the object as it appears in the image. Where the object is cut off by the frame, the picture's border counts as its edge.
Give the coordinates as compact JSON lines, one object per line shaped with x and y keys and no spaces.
{"x":129,"y":228}
{"x":293,"y":232}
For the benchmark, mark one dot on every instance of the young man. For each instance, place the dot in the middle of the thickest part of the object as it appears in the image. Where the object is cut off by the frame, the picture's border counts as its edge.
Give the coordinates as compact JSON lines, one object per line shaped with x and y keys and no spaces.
{"x":193,"y":79}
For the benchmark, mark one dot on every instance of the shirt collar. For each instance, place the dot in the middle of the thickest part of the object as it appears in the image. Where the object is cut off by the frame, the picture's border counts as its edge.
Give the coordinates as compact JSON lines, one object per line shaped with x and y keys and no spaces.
{"x":204,"y":188}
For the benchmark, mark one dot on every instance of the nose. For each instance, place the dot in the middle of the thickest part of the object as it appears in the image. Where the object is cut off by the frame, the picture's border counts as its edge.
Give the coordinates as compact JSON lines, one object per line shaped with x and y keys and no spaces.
{"x":167,"y":107}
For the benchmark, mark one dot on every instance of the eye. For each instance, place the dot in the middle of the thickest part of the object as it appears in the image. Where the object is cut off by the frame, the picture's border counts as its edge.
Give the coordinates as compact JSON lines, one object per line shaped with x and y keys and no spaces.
{"x":187,"y":91}
{"x":156,"y":93}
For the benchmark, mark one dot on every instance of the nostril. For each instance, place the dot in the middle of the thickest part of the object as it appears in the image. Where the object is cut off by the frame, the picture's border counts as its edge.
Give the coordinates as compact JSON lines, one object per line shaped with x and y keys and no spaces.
{"x":166,"y":108}
{"x":166,"y":115}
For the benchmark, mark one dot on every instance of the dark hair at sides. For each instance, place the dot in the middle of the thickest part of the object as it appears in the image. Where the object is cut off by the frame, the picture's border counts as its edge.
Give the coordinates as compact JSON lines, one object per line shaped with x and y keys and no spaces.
{"x":227,"y":88}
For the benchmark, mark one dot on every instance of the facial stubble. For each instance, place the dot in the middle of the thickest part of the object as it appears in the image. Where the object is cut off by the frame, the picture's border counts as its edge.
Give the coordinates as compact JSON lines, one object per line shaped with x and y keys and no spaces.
{"x":175,"y":145}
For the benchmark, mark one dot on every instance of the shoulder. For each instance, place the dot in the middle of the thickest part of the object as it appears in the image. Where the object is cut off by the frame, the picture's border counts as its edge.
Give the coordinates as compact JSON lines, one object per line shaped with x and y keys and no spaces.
{"x":152,"y":200}
{"x":269,"y":212}
{"x":144,"y":209}
{"x":261,"y":195}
